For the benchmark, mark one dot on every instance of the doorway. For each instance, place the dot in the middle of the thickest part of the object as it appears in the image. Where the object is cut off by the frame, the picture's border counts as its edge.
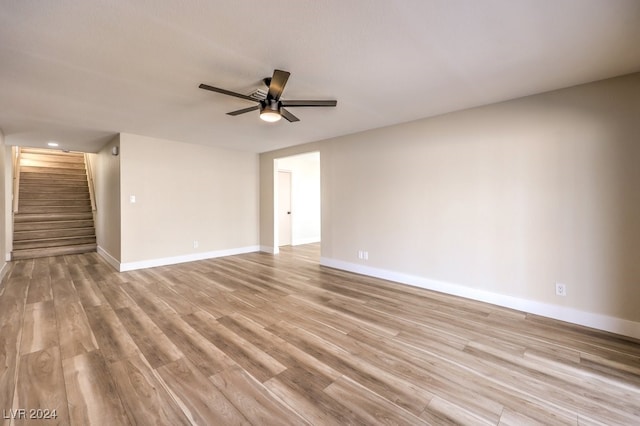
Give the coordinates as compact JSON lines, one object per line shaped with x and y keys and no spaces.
{"x":297,"y":200}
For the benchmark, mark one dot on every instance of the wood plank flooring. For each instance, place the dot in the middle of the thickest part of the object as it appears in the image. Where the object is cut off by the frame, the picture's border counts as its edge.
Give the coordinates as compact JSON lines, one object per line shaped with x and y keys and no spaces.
{"x":262,"y":339}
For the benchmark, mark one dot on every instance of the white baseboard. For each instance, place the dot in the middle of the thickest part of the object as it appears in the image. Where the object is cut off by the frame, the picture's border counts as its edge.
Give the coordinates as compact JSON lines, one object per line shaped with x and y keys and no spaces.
{"x":270,"y":249}
{"x":562,"y":313}
{"x":110,"y":259}
{"x":130,"y":266}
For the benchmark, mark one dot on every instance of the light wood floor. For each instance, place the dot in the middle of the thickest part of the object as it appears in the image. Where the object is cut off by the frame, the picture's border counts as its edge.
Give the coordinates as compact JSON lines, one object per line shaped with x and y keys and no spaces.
{"x":262,"y":339}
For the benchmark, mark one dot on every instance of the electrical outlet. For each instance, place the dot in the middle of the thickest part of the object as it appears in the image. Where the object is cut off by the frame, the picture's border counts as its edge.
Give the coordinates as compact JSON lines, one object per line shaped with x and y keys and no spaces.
{"x":360,"y":254}
{"x":561,"y":289}
{"x":366,"y":255}
{"x":196,"y":244}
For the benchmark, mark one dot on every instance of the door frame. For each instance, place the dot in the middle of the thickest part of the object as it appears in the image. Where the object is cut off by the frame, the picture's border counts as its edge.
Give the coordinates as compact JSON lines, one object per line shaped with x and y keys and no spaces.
{"x":272,"y":225}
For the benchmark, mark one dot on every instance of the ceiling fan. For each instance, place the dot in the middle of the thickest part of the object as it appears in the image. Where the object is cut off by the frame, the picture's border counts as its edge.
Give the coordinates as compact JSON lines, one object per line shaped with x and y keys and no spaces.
{"x":271,"y":107}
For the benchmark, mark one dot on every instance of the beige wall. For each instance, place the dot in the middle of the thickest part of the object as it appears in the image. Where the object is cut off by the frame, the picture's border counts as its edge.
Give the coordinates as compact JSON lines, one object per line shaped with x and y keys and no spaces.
{"x":5,"y":161}
{"x":106,"y":172}
{"x":506,"y":199}
{"x":185,"y":193}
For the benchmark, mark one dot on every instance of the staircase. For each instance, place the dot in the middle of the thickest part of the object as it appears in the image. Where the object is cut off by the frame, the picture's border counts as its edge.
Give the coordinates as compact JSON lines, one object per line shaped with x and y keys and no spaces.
{"x":54,"y":214}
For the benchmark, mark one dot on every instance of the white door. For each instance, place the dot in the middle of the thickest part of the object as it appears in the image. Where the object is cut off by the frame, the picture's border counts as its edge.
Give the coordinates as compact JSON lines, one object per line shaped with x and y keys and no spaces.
{"x":284,"y":208}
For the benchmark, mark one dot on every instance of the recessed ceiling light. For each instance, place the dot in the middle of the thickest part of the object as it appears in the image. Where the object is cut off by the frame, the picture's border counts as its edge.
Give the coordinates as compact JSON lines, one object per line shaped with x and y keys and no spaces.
{"x":52,"y":143}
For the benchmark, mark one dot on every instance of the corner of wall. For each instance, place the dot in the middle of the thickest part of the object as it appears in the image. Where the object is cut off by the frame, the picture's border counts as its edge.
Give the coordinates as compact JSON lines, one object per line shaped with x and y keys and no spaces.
{"x":109,"y":258}
{"x":269,"y":249}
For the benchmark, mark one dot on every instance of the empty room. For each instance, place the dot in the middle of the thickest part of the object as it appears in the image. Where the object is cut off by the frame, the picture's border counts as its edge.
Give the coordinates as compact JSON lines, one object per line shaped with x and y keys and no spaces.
{"x":320,"y":212}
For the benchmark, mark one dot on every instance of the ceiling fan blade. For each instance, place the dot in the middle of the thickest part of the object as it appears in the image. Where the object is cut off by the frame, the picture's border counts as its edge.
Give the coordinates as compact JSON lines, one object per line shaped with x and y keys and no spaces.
{"x":242,"y":111}
{"x":298,"y":103}
{"x":226,"y":92}
{"x":288,"y":116}
{"x":278,"y":81}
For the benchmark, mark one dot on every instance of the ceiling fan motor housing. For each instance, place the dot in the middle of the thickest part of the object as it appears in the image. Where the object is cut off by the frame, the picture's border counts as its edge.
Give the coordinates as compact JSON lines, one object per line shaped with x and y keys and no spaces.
{"x":270,"y":105}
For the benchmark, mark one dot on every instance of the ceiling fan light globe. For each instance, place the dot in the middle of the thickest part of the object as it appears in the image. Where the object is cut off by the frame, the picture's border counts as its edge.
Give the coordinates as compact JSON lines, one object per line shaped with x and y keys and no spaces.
{"x":270,"y":110}
{"x":270,"y":116}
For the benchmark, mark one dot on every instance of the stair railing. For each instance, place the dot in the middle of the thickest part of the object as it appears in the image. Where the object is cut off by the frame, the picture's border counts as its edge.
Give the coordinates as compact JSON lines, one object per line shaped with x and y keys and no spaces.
{"x":89,"y":167}
{"x":16,"y":178}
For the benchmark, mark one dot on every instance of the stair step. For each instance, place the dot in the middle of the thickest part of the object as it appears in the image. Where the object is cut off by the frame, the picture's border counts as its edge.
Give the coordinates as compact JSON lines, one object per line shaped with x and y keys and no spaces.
{"x":51,"y":217}
{"x":52,"y":171}
{"x":57,"y":180}
{"x":62,"y":177}
{"x":46,"y":234}
{"x":53,"y":201}
{"x":26,"y":162}
{"x":49,"y":195}
{"x":52,"y":157}
{"x":53,"y":209}
{"x":53,"y":251}
{"x":57,"y":188}
{"x":54,"y":242}
{"x":56,"y":224}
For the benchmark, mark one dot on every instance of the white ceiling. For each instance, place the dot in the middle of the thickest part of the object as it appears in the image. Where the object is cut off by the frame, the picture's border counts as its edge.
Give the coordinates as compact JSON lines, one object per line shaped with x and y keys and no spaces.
{"x":80,"y":71}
